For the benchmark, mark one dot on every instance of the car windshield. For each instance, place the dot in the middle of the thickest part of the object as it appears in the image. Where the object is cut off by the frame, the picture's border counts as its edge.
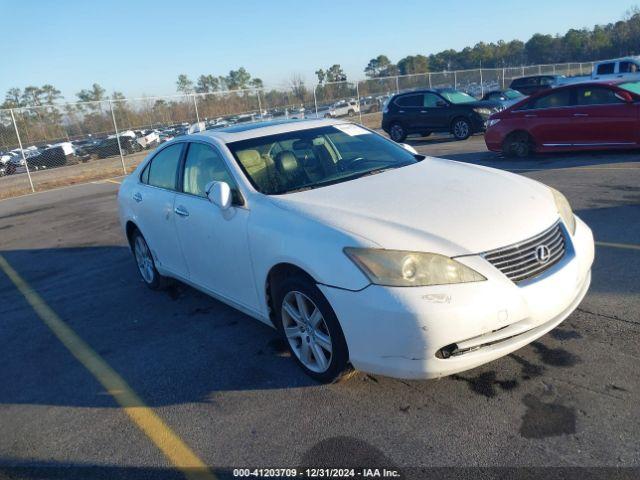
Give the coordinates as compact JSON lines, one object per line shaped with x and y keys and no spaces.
{"x":512,"y":94}
{"x":457,"y":97}
{"x":316,"y":157}
{"x":633,"y":87}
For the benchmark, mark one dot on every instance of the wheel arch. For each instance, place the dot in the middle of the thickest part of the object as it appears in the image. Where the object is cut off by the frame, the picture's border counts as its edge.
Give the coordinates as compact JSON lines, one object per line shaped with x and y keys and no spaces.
{"x":130,"y":228}
{"x":276,"y":273}
{"x":517,"y":131}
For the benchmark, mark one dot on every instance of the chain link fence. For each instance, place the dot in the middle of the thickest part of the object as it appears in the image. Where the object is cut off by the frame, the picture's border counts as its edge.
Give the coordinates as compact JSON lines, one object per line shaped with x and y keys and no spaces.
{"x":62,"y":144}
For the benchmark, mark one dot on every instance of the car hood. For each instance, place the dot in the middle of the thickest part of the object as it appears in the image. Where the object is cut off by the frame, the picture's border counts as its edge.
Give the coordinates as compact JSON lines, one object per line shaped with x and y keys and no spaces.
{"x":490,"y":104}
{"x":436,"y":205}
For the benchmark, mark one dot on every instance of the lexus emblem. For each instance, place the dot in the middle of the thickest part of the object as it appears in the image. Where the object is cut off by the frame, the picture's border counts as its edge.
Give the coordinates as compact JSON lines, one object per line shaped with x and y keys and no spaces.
{"x":542,"y":254}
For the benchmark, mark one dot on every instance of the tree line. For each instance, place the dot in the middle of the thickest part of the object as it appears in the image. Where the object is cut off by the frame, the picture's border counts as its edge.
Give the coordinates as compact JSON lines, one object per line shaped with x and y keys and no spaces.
{"x":617,"y":39}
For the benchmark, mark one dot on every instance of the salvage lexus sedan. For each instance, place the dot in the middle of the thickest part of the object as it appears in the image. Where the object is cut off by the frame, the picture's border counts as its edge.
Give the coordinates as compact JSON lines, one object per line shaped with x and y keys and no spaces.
{"x":359,"y":251}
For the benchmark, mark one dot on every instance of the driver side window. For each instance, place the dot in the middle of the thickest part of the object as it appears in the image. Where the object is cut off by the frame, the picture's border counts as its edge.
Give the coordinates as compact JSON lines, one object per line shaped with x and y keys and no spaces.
{"x":203,"y":165}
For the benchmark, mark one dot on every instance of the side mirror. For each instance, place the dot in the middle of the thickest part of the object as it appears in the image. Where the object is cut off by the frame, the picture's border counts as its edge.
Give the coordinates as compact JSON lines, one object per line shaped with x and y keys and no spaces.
{"x":441,"y":103}
{"x":625,"y":96}
{"x":219,"y":193}
{"x":409,"y":148}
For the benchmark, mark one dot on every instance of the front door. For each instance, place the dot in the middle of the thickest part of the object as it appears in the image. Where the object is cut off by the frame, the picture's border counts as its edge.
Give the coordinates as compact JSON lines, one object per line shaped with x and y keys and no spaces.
{"x":434,"y":112}
{"x":214,"y":241}
{"x":550,"y":119}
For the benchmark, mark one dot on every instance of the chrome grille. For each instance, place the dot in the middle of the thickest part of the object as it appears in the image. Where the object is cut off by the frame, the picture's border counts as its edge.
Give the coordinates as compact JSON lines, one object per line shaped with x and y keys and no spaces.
{"x":521,"y":261}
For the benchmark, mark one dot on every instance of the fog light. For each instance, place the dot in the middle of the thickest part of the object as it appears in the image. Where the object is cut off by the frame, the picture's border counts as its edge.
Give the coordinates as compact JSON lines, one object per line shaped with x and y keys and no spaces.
{"x":446,"y":352}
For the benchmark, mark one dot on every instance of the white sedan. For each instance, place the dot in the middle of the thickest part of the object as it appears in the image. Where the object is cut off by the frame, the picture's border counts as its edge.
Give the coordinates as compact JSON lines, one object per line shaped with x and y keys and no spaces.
{"x":358,"y":250}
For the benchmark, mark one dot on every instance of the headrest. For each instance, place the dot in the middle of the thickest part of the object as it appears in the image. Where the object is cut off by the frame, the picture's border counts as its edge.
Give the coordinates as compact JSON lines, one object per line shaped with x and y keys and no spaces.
{"x":286,"y":162}
{"x":250,"y":158}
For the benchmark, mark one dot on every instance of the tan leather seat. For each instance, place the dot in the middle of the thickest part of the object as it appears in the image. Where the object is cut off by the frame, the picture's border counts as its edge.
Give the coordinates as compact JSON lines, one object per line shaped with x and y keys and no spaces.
{"x":256,"y":167}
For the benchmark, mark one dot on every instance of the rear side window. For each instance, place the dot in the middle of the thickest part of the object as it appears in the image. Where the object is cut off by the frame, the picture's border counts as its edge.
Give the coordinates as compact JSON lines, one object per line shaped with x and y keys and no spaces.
{"x":518,"y":82}
{"x":628,"y":67}
{"x":410,"y":101}
{"x":163,"y":171}
{"x":596,"y":96}
{"x":605,"y":68}
{"x":558,"y":98}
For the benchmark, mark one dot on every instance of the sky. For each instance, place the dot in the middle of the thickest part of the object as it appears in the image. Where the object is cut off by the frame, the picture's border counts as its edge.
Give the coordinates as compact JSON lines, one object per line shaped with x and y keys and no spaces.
{"x":140,"y":47}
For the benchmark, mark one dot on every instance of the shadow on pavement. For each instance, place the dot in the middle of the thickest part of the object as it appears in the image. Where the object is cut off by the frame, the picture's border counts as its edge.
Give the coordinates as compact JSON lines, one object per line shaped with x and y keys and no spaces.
{"x":175,"y":346}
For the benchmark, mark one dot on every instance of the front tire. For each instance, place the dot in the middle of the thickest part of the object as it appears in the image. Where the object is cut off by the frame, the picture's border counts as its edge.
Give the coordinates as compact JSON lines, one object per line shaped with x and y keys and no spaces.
{"x":310,"y":329}
{"x":517,"y":145}
{"x":397,"y":132}
{"x":146,"y":264}
{"x":461,"y":128}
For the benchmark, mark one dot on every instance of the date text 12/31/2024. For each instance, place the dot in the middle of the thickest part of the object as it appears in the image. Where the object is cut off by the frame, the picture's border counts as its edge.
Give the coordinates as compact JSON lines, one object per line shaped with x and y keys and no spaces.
{"x":316,"y":473}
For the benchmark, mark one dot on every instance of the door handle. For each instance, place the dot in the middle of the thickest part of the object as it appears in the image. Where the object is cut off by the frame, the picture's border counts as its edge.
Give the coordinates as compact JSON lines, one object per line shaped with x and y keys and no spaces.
{"x":424,"y":111}
{"x":580,"y":114}
{"x":137,"y":197}
{"x":180,"y":210}
{"x":530,"y":115}
{"x":400,"y":111}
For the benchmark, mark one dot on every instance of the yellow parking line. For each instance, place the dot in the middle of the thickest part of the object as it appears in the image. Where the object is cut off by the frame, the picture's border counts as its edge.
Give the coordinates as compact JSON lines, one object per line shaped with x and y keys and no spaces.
{"x":627,"y":246}
{"x":176,"y":451}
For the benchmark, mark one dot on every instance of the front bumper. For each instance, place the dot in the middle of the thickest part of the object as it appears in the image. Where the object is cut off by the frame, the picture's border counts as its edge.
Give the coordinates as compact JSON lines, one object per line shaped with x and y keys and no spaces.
{"x":398,"y":331}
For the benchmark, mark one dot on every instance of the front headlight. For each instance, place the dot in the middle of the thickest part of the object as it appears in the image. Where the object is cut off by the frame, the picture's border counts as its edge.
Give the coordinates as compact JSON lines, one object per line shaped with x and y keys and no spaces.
{"x":483,"y":111}
{"x":397,"y":268}
{"x":564,"y":209}
{"x":492,"y":121}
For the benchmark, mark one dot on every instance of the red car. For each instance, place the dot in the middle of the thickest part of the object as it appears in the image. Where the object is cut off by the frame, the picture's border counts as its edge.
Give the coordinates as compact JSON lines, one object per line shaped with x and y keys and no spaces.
{"x":581,"y":116}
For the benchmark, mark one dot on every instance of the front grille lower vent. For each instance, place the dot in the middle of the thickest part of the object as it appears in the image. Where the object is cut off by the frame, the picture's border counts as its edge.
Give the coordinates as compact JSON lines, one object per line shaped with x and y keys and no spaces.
{"x":530,"y":258}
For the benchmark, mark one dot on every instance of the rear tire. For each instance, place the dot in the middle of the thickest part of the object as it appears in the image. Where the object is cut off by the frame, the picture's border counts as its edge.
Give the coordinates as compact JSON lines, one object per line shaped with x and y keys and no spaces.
{"x":517,"y":145}
{"x":146,"y":265}
{"x":461,"y":128}
{"x":310,"y":329}
{"x":397,"y":132}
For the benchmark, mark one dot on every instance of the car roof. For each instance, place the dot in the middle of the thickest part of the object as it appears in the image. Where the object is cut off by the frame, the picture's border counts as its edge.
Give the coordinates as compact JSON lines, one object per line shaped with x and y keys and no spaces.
{"x":246,"y":131}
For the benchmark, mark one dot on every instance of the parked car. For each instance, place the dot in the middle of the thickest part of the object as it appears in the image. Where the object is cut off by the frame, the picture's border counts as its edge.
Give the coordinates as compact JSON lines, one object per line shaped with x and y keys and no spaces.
{"x":48,"y":158}
{"x":584,"y":116}
{"x":441,"y":110}
{"x":356,"y":249}
{"x":7,"y":164}
{"x":109,"y":147}
{"x":535,"y":83}
{"x":506,"y":97}
{"x":343,"y":108}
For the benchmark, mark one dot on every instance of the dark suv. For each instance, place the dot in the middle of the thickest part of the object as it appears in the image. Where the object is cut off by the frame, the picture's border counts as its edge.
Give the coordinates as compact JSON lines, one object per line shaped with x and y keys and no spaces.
{"x":535,"y":83}
{"x":441,"y":110}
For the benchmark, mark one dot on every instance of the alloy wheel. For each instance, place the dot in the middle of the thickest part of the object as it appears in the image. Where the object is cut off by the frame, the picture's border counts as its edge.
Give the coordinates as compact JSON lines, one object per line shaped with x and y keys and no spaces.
{"x":397,"y":133}
{"x":144,"y":259}
{"x":461,"y":129}
{"x":306,"y":331}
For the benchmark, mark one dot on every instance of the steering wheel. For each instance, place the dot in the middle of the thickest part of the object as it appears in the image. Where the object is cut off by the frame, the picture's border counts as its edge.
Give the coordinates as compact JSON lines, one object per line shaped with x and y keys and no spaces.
{"x":345,"y":164}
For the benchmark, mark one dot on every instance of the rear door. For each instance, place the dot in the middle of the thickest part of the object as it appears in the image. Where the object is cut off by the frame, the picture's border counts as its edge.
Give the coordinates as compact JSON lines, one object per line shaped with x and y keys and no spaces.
{"x":154,"y":208}
{"x":549,"y":118}
{"x":408,"y":109}
{"x":214,"y":241}
{"x":601,"y":118}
